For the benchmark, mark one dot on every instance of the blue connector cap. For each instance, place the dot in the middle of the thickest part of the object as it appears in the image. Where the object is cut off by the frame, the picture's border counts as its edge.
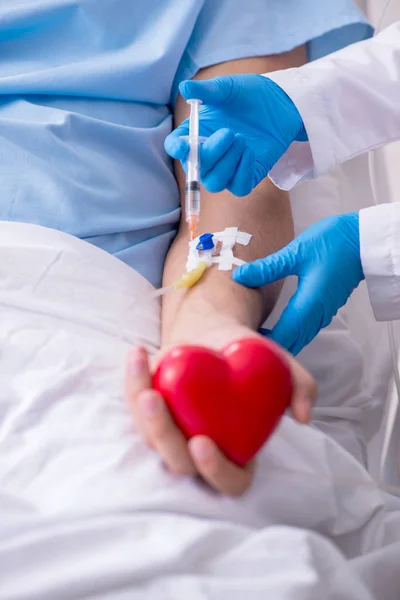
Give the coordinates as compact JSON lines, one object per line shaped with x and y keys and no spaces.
{"x":206,"y":242}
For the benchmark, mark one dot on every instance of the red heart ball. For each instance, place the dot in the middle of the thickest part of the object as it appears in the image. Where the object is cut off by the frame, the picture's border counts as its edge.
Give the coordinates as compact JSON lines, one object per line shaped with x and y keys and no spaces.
{"x":236,"y":397}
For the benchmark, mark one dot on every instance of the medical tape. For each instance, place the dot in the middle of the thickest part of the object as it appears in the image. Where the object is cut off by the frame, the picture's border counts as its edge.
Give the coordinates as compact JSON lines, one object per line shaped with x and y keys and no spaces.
{"x":225,"y":258}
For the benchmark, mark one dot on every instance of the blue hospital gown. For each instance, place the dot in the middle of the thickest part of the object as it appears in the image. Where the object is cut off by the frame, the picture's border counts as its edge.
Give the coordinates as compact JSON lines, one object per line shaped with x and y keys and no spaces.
{"x":86,"y":88}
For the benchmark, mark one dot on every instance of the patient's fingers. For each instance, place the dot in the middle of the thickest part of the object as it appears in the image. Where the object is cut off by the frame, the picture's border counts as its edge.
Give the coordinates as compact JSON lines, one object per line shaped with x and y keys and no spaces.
{"x":137,"y":374}
{"x":224,"y":476}
{"x":152,"y":418}
{"x":137,"y":379}
{"x":163,"y":434}
{"x":304,"y":385}
{"x":304,"y":391}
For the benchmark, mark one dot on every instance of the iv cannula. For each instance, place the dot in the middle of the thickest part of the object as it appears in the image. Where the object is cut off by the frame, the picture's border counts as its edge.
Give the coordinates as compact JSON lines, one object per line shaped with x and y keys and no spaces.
{"x":193,"y":171}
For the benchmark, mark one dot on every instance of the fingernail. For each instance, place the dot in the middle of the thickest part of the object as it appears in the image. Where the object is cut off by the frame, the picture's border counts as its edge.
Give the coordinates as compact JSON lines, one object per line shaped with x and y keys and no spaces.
{"x":149,"y":404}
{"x":136,"y":361}
{"x":200,"y":449}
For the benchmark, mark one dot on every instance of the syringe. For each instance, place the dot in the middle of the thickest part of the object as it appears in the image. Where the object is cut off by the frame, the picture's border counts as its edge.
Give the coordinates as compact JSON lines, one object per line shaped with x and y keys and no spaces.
{"x":193,"y":170}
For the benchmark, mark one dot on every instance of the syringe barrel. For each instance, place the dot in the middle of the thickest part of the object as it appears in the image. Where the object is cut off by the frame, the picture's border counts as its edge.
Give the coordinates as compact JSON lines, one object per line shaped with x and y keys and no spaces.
{"x":193,"y":171}
{"x":192,"y":199}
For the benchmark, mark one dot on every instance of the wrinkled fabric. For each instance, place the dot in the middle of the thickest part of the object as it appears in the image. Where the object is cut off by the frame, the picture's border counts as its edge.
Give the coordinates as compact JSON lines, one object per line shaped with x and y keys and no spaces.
{"x":351,"y":99}
{"x":86,"y":88}
{"x":87,"y":510}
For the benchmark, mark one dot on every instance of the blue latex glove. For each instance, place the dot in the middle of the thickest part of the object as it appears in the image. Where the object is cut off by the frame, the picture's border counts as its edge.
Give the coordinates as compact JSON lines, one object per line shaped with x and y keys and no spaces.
{"x":326,"y":260}
{"x":249,"y":121}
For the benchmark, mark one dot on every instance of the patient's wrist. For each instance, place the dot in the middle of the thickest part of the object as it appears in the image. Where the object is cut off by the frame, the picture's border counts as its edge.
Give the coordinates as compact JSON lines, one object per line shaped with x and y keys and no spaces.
{"x":191,"y":329}
{"x":215,"y":337}
{"x":203,"y":323}
{"x":216,"y":304}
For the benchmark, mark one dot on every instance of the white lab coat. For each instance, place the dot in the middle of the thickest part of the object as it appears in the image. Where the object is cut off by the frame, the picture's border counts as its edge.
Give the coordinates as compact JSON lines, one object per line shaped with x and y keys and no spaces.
{"x":350,"y":103}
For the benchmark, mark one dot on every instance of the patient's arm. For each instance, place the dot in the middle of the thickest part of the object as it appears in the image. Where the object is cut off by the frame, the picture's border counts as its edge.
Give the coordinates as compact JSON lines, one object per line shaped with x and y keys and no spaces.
{"x":218,"y":310}
{"x":266,"y":214}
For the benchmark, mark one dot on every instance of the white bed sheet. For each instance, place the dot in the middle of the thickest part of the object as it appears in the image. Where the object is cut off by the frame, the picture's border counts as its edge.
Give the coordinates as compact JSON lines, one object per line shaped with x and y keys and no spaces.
{"x":87,"y":511}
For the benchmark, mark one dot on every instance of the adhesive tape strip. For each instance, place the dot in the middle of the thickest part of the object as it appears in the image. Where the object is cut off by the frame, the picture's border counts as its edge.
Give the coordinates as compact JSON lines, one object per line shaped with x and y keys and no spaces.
{"x":225,"y":260}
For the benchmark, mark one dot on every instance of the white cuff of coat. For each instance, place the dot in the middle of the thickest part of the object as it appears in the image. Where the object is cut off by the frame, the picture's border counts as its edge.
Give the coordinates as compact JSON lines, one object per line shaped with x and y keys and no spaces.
{"x":380,"y":257}
{"x":304,"y":160}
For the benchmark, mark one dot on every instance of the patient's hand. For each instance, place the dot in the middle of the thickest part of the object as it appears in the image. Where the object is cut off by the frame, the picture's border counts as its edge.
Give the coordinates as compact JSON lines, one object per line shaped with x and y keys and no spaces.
{"x":200,"y":455}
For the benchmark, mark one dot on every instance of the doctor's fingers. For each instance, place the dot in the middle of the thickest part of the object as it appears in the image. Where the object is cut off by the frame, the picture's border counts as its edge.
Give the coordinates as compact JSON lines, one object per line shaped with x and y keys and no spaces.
{"x":224,"y":169}
{"x":216,"y":92}
{"x":242,"y":181}
{"x":175,"y":145}
{"x":301,"y":320}
{"x":214,"y":149}
{"x":222,"y":475}
{"x":266,"y":270}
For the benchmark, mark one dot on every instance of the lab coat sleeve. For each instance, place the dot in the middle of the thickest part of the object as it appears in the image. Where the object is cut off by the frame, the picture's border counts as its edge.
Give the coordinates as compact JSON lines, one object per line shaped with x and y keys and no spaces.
{"x":380,"y":256}
{"x":349,"y":102}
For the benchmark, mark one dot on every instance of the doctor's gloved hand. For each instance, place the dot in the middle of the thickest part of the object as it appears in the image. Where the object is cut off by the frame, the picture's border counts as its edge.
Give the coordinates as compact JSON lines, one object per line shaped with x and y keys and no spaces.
{"x":249,"y":123}
{"x":326,"y":260}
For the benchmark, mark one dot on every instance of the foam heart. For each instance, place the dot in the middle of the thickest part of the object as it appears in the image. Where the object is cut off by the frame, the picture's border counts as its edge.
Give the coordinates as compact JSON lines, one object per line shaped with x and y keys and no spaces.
{"x":236,"y":397}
